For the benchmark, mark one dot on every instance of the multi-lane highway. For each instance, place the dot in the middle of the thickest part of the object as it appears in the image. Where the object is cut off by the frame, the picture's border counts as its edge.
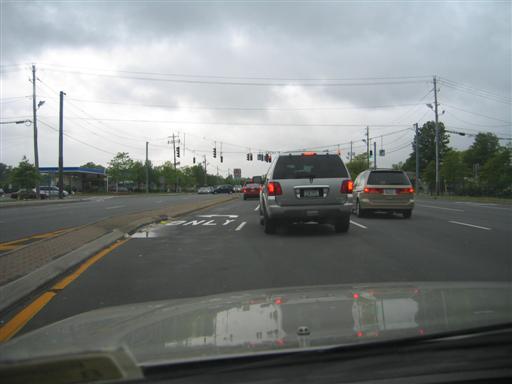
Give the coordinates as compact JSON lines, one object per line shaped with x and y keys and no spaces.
{"x":224,"y":249}
{"x":22,"y":222}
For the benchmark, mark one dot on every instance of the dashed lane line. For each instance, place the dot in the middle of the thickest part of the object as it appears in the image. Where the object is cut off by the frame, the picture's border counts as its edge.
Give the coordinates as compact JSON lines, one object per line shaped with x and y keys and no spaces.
{"x":116,"y":207}
{"x":241,"y":226}
{"x":444,"y":208}
{"x":469,"y":225}
{"x":359,"y":225}
{"x":257,"y":207}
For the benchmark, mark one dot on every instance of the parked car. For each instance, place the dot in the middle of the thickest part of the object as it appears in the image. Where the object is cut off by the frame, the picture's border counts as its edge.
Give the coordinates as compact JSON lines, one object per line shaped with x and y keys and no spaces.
{"x":303,"y":187}
{"x":251,"y":190}
{"x":205,"y":190}
{"x":24,"y":193}
{"x":237,"y":188}
{"x":51,"y":191}
{"x":223,"y":189}
{"x":385,"y":190}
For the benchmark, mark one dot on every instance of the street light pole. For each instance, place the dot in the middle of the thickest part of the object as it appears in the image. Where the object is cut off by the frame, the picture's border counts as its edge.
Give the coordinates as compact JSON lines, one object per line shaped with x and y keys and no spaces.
{"x":61,"y":146}
{"x":34,"y":111}
{"x":417,"y":147}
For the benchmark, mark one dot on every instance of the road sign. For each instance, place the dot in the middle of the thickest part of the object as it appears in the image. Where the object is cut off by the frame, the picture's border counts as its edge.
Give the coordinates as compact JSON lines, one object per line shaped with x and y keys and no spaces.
{"x":382,"y":152}
{"x":237,"y":173}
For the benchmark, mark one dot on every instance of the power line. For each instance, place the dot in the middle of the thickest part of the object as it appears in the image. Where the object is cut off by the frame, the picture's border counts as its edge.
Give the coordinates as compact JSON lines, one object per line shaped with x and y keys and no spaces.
{"x":233,"y":83}
{"x":474,"y":89}
{"x":487,"y":96}
{"x":477,"y":114}
{"x":49,"y":65}
{"x":167,"y":106}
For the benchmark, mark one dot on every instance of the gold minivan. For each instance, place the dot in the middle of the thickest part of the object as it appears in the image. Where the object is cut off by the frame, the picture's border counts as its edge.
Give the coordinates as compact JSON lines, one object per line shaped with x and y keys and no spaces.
{"x":385,"y":190}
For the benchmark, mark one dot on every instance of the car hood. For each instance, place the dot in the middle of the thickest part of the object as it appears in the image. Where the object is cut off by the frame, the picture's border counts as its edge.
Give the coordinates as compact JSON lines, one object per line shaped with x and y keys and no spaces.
{"x":270,"y":320}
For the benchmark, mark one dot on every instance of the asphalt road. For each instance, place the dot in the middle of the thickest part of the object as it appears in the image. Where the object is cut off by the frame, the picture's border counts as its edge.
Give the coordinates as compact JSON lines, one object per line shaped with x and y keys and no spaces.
{"x":21,"y":222}
{"x":224,"y":249}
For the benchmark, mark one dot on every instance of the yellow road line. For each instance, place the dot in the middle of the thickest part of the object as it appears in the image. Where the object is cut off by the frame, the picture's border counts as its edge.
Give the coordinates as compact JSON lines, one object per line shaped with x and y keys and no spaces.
{"x":14,"y":325}
{"x":9,"y":245}
{"x":23,"y":317}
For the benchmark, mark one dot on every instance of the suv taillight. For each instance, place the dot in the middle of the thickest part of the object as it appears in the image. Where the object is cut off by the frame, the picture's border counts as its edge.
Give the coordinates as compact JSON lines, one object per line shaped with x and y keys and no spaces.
{"x":274,"y":188}
{"x":347,"y":186}
{"x":405,"y":190}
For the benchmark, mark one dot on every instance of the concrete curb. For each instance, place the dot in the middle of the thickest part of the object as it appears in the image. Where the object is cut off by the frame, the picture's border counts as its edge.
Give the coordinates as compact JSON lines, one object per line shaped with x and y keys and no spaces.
{"x":40,"y":203}
{"x":16,"y":290}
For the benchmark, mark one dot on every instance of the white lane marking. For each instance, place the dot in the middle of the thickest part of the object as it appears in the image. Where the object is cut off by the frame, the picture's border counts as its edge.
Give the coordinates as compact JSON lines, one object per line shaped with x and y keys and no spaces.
{"x":210,"y":216}
{"x":257,"y":207}
{"x":433,"y":206}
{"x":358,"y":225}
{"x":177,"y":222}
{"x":116,"y":206}
{"x":158,"y":202}
{"x":469,"y":225}
{"x":194,"y":222}
{"x":240,"y":226}
{"x":228,"y":221}
{"x":211,"y":222}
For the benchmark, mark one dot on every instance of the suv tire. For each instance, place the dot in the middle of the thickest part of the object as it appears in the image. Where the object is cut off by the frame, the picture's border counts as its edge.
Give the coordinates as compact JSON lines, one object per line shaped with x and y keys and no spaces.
{"x":359,"y":211}
{"x":407,"y":214}
{"x":269,"y":225}
{"x":342,"y":225}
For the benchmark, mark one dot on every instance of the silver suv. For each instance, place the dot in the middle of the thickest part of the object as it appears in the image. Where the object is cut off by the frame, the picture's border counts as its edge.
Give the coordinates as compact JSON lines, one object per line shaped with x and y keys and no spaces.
{"x":303,"y":187}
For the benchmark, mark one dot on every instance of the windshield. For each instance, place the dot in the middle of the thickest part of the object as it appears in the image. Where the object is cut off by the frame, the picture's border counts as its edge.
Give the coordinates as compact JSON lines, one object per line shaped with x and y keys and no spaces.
{"x":388,"y":178}
{"x":200,"y":179}
{"x":304,"y":167}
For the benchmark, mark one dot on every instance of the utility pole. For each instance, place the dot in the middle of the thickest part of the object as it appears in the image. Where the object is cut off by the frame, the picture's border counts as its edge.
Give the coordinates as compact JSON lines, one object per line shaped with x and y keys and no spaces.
{"x":147,"y":168}
{"x":375,"y":155}
{"x":205,"y":174}
{"x":417,"y":147}
{"x":368,"y":145}
{"x":437,"y":136}
{"x":174,"y":142}
{"x":61,"y":146}
{"x":34,"y":111}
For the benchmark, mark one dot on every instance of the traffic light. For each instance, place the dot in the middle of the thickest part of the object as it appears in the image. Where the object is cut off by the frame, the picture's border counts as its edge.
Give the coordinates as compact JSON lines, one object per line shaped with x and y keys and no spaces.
{"x":194,"y":160}
{"x":269,"y":158}
{"x":214,"y":152}
{"x":177,"y":151}
{"x":266,"y":157}
{"x":221,"y":158}
{"x":248,"y":156}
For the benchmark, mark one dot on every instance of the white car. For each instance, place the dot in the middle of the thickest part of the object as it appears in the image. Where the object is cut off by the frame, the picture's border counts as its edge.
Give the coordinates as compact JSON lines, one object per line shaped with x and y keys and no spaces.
{"x":52,"y":191}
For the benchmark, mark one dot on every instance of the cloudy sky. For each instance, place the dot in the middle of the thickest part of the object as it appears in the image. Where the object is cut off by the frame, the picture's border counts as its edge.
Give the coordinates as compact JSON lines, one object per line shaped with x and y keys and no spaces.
{"x":249,"y":76}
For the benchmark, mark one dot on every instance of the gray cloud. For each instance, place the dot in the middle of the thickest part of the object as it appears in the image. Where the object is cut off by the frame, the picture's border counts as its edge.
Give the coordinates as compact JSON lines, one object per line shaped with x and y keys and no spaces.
{"x":468,"y":43}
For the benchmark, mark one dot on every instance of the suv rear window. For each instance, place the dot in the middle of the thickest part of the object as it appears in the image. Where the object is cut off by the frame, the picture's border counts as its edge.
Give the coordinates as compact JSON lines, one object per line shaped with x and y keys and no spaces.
{"x":388,"y":178}
{"x":304,"y":167}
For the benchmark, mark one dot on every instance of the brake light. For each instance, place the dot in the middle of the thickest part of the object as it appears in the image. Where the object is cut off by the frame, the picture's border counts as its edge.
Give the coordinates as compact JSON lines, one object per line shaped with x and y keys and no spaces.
{"x":347,"y":186}
{"x":372,"y":190}
{"x":309,"y":153}
{"x":274,"y":188}
{"x":405,"y":190}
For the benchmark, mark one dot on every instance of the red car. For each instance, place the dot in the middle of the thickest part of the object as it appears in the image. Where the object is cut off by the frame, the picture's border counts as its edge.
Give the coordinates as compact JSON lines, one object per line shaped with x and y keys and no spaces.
{"x":251,"y":190}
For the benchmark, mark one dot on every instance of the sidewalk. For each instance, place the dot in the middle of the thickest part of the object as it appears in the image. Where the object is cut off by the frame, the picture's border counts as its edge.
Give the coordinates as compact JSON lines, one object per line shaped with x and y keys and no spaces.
{"x":27,"y":268}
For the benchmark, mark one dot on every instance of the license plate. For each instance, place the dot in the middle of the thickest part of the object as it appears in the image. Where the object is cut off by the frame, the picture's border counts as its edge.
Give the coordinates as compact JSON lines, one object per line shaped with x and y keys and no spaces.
{"x":390,"y":191}
{"x":311,"y":193}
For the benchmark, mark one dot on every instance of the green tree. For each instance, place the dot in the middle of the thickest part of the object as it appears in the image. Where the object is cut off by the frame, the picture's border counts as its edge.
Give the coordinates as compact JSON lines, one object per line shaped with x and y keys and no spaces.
{"x":482,"y":149}
{"x":429,"y":175}
{"x":427,"y":147}
{"x":90,"y":164}
{"x":138,"y":174}
{"x":358,"y":164}
{"x":119,"y":168}
{"x":496,"y":174}
{"x":5,"y":171}
{"x":24,"y":175}
{"x":453,"y":171}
